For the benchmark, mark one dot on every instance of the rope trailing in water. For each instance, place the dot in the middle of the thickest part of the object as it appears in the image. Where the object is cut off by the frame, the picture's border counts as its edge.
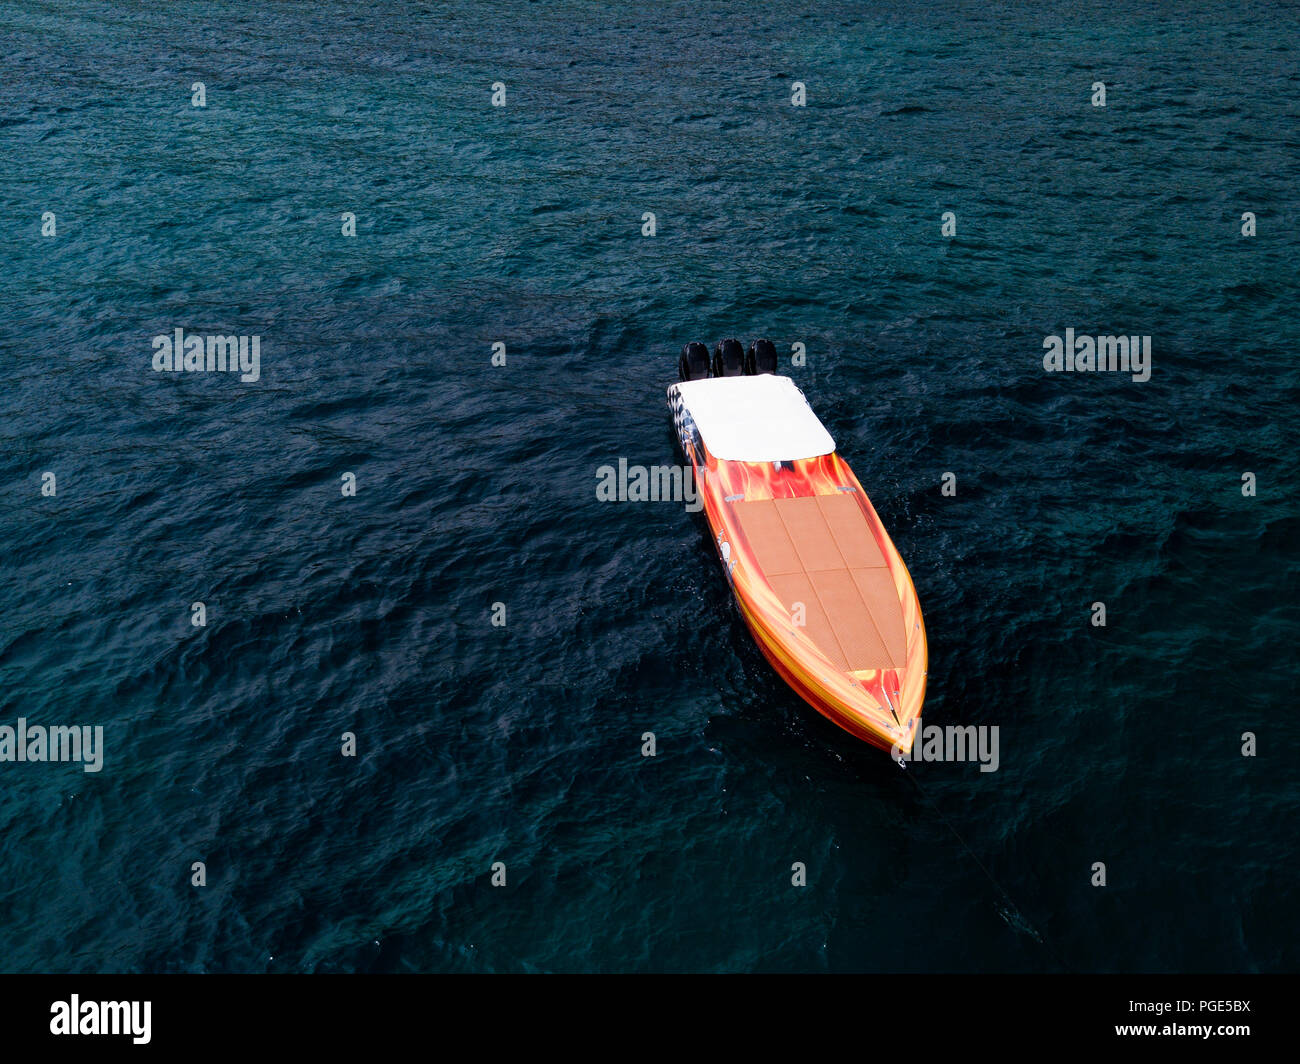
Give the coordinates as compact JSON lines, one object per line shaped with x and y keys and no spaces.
{"x":1014,"y":909}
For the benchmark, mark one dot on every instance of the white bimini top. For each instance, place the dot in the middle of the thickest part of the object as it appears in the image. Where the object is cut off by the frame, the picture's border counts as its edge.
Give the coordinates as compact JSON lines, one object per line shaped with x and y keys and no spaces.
{"x":763,"y":418}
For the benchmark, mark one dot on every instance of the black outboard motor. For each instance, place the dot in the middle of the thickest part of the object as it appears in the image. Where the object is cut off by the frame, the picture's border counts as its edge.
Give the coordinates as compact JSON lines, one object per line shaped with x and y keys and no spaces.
{"x":694,"y":363}
{"x":761,"y":357}
{"x":728,"y":359}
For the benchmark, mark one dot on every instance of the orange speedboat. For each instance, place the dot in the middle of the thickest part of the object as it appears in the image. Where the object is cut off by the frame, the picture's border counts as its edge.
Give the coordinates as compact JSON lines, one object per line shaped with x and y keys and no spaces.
{"x":815,"y":574}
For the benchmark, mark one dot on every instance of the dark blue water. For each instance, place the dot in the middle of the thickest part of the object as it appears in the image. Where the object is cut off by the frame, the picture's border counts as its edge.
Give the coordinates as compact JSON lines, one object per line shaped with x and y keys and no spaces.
{"x":522,"y":225}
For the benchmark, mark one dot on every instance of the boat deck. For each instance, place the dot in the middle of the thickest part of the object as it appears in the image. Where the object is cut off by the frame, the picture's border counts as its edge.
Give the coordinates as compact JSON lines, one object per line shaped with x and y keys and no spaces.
{"x":819,"y":550}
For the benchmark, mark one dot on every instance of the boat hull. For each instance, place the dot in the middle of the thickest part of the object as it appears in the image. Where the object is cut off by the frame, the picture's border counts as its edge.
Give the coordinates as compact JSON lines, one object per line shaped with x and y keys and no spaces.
{"x":821,"y":587}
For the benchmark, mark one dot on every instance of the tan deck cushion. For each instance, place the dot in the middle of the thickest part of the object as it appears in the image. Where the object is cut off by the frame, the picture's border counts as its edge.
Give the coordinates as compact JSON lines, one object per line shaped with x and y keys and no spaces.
{"x":811,"y":535}
{"x":848,"y":524}
{"x":797,"y":587}
{"x":876,"y":586}
{"x":767,"y":535}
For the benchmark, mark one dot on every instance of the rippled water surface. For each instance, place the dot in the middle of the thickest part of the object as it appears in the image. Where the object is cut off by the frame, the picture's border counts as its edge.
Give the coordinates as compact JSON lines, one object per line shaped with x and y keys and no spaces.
{"x":522,"y":225}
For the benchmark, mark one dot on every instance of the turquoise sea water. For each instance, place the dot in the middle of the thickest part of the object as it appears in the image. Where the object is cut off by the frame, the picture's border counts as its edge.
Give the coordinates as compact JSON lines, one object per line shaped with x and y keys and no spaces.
{"x":521,"y":225}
